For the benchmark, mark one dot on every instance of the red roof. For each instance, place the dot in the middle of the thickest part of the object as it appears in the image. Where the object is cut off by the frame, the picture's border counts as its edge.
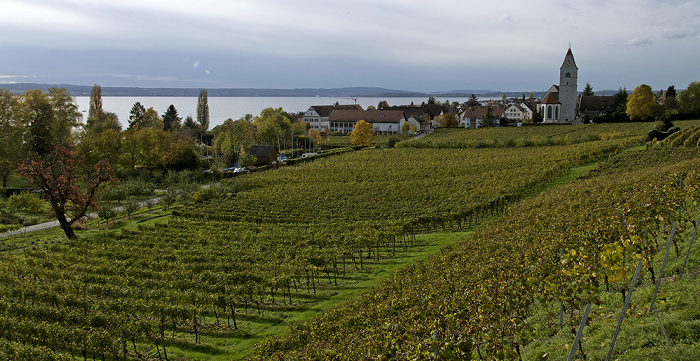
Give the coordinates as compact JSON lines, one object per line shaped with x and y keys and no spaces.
{"x":549,"y":99}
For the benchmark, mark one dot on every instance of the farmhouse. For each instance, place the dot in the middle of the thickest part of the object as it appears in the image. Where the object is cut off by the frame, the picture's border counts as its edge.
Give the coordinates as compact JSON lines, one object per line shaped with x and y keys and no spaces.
{"x":383,"y":121}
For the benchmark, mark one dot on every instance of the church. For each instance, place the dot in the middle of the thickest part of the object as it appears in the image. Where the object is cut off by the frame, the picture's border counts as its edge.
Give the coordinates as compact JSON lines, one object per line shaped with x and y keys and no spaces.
{"x":559,"y":103}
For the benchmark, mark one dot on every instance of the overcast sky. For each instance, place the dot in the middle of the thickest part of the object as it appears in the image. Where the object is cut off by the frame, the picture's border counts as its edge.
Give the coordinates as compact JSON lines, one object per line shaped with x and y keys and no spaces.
{"x":399,"y":44}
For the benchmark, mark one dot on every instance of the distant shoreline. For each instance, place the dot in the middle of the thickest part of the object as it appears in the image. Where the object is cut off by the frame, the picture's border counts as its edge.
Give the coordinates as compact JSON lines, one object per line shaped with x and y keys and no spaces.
{"x":350,"y":92}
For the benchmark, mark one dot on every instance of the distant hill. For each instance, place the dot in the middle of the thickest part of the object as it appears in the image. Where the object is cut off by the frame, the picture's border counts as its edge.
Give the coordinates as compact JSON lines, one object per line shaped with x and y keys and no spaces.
{"x":349,"y":92}
{"x":84,"y":90}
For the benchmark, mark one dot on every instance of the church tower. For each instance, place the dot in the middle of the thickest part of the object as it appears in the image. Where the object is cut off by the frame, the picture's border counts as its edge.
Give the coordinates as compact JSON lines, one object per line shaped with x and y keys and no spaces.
{"x":568,"y":75}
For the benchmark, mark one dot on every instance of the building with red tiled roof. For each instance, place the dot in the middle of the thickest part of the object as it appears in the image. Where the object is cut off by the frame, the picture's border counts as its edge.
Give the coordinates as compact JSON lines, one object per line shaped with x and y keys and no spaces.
{"x":317,"y":115}
{"x":550,"y":108}
{"x":474,"y":117}
{"x":383,"y":121}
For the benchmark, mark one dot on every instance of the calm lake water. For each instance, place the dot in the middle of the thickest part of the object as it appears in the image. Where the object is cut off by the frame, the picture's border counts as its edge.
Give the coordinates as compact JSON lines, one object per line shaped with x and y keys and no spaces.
{"x":222,"y":108}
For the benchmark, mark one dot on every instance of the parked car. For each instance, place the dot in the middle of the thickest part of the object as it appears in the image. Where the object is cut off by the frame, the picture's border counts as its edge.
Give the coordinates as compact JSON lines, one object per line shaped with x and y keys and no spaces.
{"x":308,"y":155}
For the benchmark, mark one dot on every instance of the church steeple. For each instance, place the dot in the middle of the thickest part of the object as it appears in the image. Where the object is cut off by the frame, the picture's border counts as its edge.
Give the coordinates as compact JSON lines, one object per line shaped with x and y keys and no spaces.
{"x":568,"y":79}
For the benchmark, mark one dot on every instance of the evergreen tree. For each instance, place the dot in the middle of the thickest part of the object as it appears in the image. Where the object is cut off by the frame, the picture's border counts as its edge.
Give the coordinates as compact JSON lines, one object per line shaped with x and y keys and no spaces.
{"x":136,"y":114}
{"x":588,"y":90}
{"x":171,"y":120}
{"x":473,"y":101}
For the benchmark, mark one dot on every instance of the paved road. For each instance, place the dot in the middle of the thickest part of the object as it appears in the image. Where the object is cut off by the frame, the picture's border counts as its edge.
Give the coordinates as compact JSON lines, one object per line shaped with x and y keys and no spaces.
{"x":47,"y":225}
{"x":421,"y":135}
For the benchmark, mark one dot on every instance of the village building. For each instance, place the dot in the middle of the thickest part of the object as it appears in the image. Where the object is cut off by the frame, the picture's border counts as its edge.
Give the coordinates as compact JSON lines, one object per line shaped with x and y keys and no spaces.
{"x":264,"y":154}
{"x":592,"y":107}
{"x":518,"y":112}
{"x":473,"y":117}
{"x":383,"y":121}
{"x":559,"y":103}
{"x":317,"y":115}
{"x":550,"y":108}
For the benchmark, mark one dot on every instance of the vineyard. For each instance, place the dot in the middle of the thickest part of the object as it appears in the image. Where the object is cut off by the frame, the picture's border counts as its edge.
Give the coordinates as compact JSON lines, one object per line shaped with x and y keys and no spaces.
{"x":504,"y":291}
{"x":526,"y":136}
{"x":233,"y":260}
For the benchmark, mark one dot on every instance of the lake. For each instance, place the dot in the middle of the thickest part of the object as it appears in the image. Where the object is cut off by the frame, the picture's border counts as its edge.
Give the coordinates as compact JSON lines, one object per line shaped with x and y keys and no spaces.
{"x":222,"y":108}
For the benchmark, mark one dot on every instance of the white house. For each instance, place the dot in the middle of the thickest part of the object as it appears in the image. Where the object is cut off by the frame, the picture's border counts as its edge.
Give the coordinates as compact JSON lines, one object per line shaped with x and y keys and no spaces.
{"x":317,"y":115}
{"x":518,"y":112}
{"x":383,"y":121}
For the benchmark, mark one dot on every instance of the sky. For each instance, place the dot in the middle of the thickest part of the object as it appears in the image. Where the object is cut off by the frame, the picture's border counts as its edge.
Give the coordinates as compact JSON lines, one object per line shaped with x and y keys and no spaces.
{"x":397,"y":44}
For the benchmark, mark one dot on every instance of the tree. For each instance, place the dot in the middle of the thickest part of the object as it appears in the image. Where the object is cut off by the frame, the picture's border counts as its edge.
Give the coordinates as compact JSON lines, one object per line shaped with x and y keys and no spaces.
{"x":689,"y":100}
{"x":489,"y":118}
{"x":106,"y":144}
{"x":66,"y":116}
{"x":136,"y":114}
{"x":203,"y":110}
{"x":382,"y":105}
{"x":11,"y":135}
{"x":149,"y":119}
{"x":95,"y":102}
{"x":362,"y":134}
{"x":473,"y":101}
{"x":37,"y":113}
{"x":406,"y":128}
{"x":588,"y":90}
{"x":315,"y":137}
{"x":232,"y":137}
{"x":641,"y":103}
{"x":69,"y":187}
{"x":449,"y":120}
{"x":171,"y":120}
{"x":271,"y":124}
{"x":617,"y":109}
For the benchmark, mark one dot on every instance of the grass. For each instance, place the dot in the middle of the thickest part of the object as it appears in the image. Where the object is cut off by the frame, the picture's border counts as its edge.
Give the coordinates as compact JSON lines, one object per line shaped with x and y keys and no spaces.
{"x":253,"y":327}
{"x":17,"y":181}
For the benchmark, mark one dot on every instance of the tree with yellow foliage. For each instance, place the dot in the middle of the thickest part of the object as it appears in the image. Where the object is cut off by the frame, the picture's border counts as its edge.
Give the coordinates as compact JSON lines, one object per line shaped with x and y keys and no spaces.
{"x":641,"y":103}
{"x":362,"y":134}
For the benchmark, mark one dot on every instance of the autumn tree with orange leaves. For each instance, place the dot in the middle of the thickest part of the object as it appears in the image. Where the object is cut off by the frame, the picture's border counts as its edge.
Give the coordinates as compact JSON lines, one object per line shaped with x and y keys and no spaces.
{"x":67,"y":183}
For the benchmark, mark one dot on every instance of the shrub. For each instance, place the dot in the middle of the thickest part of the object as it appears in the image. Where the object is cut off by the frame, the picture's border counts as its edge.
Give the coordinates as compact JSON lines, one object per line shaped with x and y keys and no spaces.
{"x":27,"y":202}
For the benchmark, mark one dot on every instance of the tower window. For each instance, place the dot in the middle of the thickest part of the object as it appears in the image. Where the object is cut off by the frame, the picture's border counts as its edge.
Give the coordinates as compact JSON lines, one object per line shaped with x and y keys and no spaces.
{"x":568,"y":75}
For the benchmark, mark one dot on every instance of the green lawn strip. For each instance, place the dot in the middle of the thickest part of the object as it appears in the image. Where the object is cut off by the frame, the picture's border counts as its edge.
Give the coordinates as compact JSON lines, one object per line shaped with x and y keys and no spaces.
{"x":252,"y":328}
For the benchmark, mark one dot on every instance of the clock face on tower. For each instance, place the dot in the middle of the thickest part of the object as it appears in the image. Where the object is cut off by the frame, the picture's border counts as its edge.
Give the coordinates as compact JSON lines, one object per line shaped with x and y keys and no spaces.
{"x":568,"y":63}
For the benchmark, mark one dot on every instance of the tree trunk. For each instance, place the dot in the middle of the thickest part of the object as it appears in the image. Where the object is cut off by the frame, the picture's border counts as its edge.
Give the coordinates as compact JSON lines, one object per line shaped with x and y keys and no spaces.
{"x":66,"y":226}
